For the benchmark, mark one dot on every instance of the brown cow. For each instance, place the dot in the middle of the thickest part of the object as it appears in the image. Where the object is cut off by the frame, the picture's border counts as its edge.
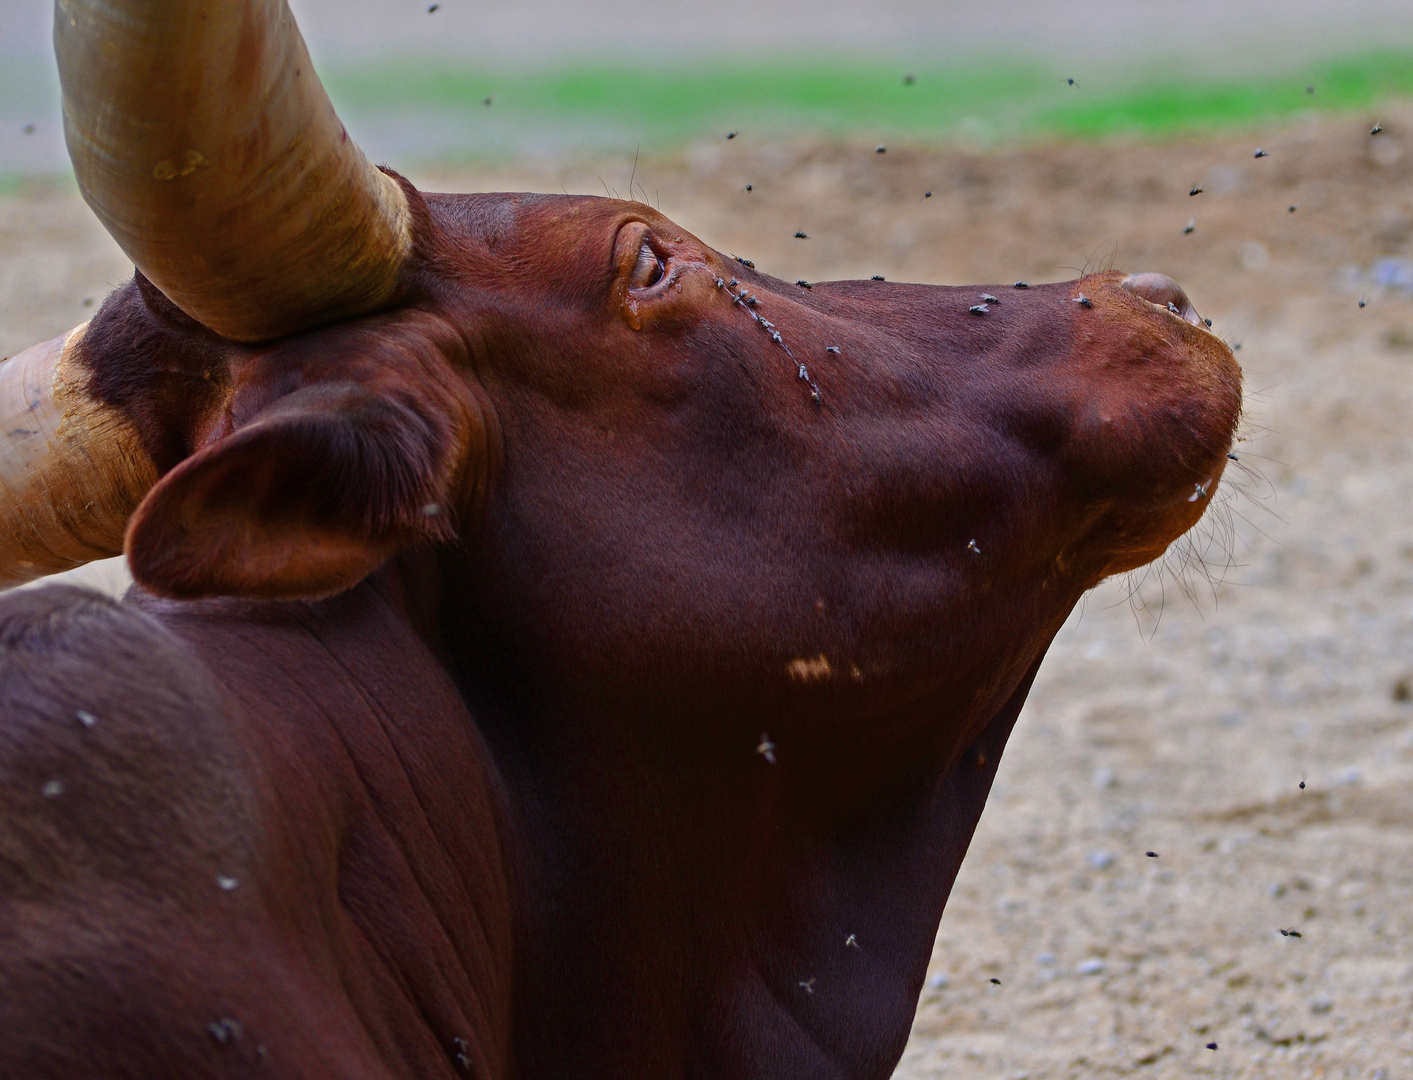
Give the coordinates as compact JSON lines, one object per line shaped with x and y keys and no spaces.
{"x":558,"y":650}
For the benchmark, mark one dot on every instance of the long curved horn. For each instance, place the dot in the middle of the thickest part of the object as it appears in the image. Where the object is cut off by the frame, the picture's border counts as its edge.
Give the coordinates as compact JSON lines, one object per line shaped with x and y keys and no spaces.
{"x":72,"y":470}
{"x":205,"y":143}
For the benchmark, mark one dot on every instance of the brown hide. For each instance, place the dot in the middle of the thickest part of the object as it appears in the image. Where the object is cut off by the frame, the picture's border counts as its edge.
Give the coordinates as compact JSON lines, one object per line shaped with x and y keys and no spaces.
{"x":636,"y":543}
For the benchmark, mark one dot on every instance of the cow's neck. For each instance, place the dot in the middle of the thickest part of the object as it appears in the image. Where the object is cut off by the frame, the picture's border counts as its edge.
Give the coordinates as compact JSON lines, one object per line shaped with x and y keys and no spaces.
{"x":692,"y":908}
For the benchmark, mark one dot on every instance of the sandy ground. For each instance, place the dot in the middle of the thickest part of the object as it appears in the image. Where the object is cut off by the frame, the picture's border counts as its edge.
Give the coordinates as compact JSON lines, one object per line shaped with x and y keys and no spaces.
{"x":1177,"y":725}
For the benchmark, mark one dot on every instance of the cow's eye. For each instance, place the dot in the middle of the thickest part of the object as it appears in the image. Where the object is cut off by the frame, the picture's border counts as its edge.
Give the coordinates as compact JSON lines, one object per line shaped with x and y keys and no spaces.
{"x":649,"y":269}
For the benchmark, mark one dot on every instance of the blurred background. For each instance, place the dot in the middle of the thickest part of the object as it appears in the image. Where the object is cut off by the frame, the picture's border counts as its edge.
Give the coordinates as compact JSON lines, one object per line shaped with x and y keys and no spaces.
{"x":591,"y":76}
{"x":1244,"y":709}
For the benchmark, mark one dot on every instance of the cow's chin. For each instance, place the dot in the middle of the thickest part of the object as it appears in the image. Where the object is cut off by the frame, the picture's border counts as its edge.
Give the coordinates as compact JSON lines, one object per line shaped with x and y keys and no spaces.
{"x":1142,"y":543}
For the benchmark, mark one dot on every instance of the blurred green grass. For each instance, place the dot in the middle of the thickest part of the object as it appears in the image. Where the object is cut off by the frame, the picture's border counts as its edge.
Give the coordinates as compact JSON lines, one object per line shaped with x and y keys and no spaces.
{"x":979,"y":99}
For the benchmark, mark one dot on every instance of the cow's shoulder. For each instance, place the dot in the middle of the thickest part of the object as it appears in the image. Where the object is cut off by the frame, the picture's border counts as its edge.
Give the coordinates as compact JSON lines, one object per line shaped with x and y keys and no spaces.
{"x":116,"y":753}
{"x":130,"y":839}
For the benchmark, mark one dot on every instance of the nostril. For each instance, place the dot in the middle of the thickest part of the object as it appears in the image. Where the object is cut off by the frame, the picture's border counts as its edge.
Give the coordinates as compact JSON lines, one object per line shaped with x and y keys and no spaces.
{"x":1165,"y":292}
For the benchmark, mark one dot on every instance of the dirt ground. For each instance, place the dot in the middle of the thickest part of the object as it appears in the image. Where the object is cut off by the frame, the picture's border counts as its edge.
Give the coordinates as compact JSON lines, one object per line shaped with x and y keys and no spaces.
{"x":1175,"y":724}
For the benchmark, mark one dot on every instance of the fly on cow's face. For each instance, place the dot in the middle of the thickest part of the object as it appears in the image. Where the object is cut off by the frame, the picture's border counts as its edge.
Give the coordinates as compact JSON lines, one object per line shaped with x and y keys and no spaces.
{"x":766,"y":749}
{"x":461,"y":1050}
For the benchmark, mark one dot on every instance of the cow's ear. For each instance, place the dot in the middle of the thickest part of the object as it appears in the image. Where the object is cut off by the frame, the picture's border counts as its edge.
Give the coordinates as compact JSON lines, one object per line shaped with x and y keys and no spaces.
{"x":306,"y":499}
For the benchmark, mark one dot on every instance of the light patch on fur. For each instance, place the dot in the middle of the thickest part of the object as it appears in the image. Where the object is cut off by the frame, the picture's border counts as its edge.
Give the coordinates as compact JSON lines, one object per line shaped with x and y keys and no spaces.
{"x":810,"y":669}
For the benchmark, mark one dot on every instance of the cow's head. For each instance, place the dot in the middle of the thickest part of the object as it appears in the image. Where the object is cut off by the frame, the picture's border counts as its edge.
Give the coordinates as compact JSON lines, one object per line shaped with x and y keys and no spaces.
{"x":632,"y":448}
